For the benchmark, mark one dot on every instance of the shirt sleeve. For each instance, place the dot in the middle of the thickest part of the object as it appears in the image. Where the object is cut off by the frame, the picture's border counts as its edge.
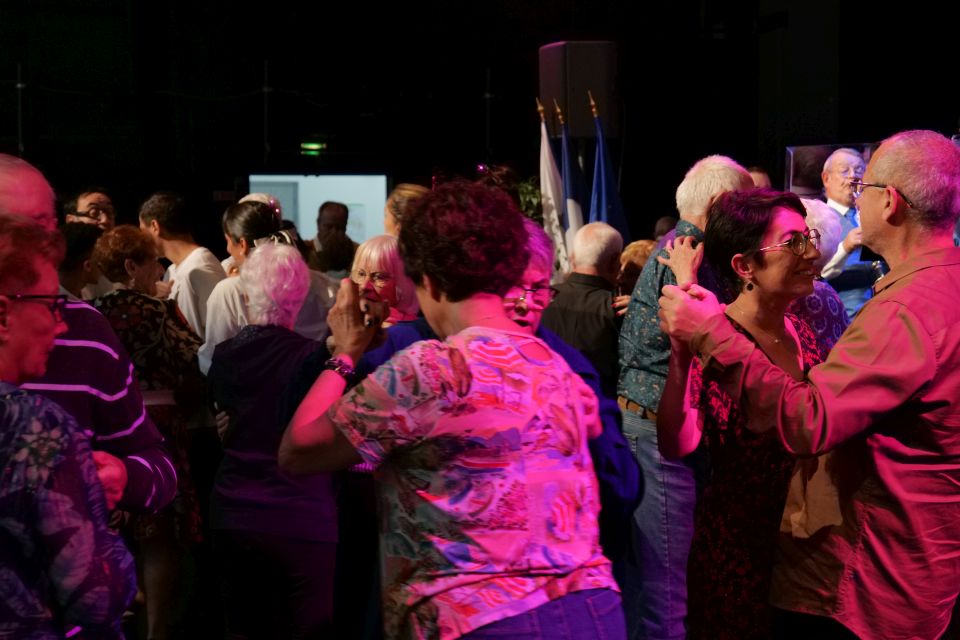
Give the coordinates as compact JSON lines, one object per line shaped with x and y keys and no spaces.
{"x":393,"y":407}
{"x":91,"y":572}
{"x":222,"y":323}
{"x":884,"y":358}
{"x":640,"y":335}
{"x":834,"y":267}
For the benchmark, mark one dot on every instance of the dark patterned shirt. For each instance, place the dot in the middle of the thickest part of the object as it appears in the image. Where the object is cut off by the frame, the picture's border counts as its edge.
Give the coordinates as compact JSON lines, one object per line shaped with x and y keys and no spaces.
{"x":823,"y":311}
{"x":644,"y":349}
{"x":60,"y":566}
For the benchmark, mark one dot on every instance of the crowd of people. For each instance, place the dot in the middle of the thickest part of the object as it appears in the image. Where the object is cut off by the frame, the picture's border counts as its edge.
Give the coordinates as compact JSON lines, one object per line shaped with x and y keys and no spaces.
{"x":741,"y":428}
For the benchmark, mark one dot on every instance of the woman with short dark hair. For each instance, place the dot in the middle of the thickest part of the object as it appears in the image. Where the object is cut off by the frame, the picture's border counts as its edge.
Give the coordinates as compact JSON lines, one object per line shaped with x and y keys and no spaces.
{"x":487,"y":490}
{"x":758,"y":241}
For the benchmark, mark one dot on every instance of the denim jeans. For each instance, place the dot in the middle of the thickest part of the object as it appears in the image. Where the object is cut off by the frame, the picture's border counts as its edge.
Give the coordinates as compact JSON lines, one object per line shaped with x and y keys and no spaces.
{"x":654,"y":580}
{"x":581,"y":615}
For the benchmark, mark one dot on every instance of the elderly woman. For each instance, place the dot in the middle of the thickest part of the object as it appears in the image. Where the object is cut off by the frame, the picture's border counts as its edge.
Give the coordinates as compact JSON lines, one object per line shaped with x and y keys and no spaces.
{"x":245,"y":225}
{"x":399,"y":203}
{"x":488,"y":495}
{"x":163,"y":349}
{"x":274,"y":534}
{"x":378,"y":272}
{"x":65,"y":572}
{"x":759,"y":242}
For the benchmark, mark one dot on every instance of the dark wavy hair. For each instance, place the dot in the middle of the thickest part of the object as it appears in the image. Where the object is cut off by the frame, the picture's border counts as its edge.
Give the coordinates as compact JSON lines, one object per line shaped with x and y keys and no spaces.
{"x":736,"y":224}
{"x":170,"y":211}
{"x":469,"y":238}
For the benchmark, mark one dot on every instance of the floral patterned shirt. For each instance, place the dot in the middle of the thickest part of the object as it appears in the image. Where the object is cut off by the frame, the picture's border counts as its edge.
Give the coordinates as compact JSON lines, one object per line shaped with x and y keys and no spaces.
{"x":488,"y":499}
{"x":60,"y":566}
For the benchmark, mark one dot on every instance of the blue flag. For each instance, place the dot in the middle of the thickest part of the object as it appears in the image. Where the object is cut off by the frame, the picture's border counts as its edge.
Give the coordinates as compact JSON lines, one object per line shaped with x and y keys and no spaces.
{"x":605,"y":205}
{"x":574,"y":188}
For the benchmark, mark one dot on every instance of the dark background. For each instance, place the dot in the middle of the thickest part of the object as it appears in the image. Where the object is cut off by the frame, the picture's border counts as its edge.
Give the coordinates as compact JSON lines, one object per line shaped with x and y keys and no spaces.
{"x":140,"y":96}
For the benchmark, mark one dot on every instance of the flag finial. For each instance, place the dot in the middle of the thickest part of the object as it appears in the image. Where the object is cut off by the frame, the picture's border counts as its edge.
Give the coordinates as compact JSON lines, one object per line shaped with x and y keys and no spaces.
{"x":540,"y":109}
{"x":559,"y":112}
{"x":593,"y":105}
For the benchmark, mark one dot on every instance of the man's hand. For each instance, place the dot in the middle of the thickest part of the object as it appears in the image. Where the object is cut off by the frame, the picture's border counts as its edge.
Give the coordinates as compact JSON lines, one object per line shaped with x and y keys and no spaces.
{"x":354,"y":321}
{"x":684,"y":256}
{"x":113,"y":476}
{"x":683,"y":312}
{"x":853,"y":240}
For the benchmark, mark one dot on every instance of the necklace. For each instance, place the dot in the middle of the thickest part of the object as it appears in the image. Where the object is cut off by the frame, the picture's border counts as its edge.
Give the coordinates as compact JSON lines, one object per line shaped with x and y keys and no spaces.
{"x":775,"y":339}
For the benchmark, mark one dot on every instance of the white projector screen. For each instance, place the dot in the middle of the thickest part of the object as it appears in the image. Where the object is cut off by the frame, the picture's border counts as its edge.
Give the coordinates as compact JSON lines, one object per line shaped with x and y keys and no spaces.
{"x":301,"y":196}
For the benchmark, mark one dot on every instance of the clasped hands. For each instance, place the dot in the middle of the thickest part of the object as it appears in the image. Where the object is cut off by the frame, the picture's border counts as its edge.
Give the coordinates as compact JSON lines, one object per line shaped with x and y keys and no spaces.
{"x":684,"y":309}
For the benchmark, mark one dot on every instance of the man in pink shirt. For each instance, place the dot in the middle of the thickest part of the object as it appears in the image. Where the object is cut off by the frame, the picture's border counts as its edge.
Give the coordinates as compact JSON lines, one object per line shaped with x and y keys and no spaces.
{"x":885,"y":401}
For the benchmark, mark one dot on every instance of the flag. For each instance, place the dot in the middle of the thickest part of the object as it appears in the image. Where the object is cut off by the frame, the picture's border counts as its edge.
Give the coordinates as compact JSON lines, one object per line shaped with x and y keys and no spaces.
{"x":551,"y":197}
{"x":573,"y":188}
{"x":605,"y":205}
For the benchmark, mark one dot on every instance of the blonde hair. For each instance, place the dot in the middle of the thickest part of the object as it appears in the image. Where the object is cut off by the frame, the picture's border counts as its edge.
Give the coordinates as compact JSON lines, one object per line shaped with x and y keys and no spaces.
{"x":382,"y":253}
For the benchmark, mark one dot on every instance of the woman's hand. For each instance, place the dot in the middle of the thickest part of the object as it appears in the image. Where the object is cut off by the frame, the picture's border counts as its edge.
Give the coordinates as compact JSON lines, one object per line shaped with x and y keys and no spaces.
{"x":684,"y":256}
{"x":354,"y":321}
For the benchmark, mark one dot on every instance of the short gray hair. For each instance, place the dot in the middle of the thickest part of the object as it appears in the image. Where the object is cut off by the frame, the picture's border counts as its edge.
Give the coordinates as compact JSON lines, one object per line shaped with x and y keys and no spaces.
{"x":828,"y":163}
{"x":275,"y":279}
{"x":596,"y":245}
{"x":925,"y":167}
{"x":382,"y":253}
{"x":539,"y":246}
{"x":706,"y":179}
{"x":823,"y":218}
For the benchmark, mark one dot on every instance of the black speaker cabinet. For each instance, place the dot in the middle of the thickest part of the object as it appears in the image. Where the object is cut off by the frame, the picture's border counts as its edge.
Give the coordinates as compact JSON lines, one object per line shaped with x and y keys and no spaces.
{"x":568,"y":70}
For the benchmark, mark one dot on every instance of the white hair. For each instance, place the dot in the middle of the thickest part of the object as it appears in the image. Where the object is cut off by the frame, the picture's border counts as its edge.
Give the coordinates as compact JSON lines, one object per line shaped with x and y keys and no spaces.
{"x":275,"y":279}
{"x":824,"y":219}
{"x":706,"y":179}
{"x":828,"y":163}
{"x":596,"y":245}
{"x":925,"y":167}
{"x":382,"y":253}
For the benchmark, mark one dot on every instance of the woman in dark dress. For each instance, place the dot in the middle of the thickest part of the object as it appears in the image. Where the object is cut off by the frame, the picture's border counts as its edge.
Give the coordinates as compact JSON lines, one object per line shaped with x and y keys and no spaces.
{"x":163,"y":349}
{"x":274,"y":534}
{"x":759,"y":241}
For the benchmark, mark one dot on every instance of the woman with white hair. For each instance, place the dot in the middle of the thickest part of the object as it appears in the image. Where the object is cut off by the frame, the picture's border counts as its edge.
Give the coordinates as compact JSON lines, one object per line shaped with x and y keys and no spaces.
{"x":823,"y":309}
{"x":378,"y":271}
{"x":274,"y":534}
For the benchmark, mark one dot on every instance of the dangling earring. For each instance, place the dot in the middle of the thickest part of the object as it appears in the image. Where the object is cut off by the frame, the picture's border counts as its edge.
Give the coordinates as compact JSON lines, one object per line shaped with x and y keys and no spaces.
{"x":749,"y":286}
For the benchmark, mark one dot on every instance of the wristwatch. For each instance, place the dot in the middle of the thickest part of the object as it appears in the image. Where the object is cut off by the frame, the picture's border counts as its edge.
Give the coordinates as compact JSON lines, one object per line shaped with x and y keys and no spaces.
{"x":341,"y":367}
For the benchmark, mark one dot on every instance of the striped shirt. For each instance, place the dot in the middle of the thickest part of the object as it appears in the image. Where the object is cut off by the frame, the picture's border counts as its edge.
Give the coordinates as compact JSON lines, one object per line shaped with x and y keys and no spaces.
{"x":90,"y":375}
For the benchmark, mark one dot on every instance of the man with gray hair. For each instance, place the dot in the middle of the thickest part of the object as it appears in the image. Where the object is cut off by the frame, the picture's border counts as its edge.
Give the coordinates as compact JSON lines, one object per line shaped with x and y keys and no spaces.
{"x":885,"y":403}
{"x":654,"y":589}
{"x":847,"y":272}
{"x":582,"y":312}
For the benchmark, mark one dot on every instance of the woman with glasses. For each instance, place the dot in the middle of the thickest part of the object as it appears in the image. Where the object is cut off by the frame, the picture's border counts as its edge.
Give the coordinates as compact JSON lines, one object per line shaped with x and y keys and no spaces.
{"x":487,"y":492}
{"x":759,"y":242}
{"x":378,"y":273}
{"x":65,"y":574}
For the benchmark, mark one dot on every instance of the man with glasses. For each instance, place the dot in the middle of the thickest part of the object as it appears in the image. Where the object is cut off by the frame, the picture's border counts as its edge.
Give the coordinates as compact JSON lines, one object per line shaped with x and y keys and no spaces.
{"x":91,"y":206}
{"x":847,"y":272}
{"x":582,"y":313}
{"x":884,"y":402}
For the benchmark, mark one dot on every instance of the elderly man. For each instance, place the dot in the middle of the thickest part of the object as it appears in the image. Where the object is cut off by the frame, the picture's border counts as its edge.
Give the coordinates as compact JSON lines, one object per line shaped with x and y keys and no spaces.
{"x":89,"y":374}
{"x":846,"y":272}
{"x":582,"y":312}
{"x":885,"y":401}
{"x":332,"y":250}
{"x":655,"y":589}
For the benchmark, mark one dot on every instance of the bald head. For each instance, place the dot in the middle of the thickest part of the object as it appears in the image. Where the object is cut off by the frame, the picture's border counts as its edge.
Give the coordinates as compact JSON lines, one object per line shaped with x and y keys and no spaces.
{"x":25,"y":192}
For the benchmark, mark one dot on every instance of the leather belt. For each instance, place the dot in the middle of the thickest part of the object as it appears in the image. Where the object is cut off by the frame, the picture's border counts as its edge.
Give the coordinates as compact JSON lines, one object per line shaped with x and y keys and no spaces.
{"x":626,"y":404}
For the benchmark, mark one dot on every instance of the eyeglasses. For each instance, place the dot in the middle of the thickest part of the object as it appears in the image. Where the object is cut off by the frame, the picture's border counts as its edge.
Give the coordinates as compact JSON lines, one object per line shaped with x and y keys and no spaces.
{"x":378,"y":278}
{"x":541,"y":295}
{"x":55,"y":303}
{"x":859,"y":186}
{"x":797,"y":242}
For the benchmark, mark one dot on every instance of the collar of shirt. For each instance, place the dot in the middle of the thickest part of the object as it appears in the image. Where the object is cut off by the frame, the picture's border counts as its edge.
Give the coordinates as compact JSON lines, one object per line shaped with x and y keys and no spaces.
{"x":923,"y":260}
{"x":839,"y":208}
{"x":685,"y":228}
{"x":594,"y":282}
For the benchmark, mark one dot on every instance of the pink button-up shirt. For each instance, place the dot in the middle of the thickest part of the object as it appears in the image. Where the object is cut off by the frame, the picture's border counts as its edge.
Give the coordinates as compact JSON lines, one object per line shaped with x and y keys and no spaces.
{"x":886,"y":402}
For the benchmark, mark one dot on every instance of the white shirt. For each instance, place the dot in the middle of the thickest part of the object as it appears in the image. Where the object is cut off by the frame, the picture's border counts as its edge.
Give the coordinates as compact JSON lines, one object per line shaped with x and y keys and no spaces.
{"x":835,"y":266}
{"x":193,"y":281}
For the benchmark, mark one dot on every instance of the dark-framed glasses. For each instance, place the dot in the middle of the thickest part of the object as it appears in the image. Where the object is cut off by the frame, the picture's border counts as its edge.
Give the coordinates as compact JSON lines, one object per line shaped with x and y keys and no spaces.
{"x":378,"y":278}
{"x":797,"y":242}
{"x":858,"y":187}
{"x":55,"y":303}
{"x":541,"y":295}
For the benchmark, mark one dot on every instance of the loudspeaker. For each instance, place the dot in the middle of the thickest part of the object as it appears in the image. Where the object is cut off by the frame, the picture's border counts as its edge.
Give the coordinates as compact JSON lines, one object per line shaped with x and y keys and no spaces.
{"x":567,"y":71}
